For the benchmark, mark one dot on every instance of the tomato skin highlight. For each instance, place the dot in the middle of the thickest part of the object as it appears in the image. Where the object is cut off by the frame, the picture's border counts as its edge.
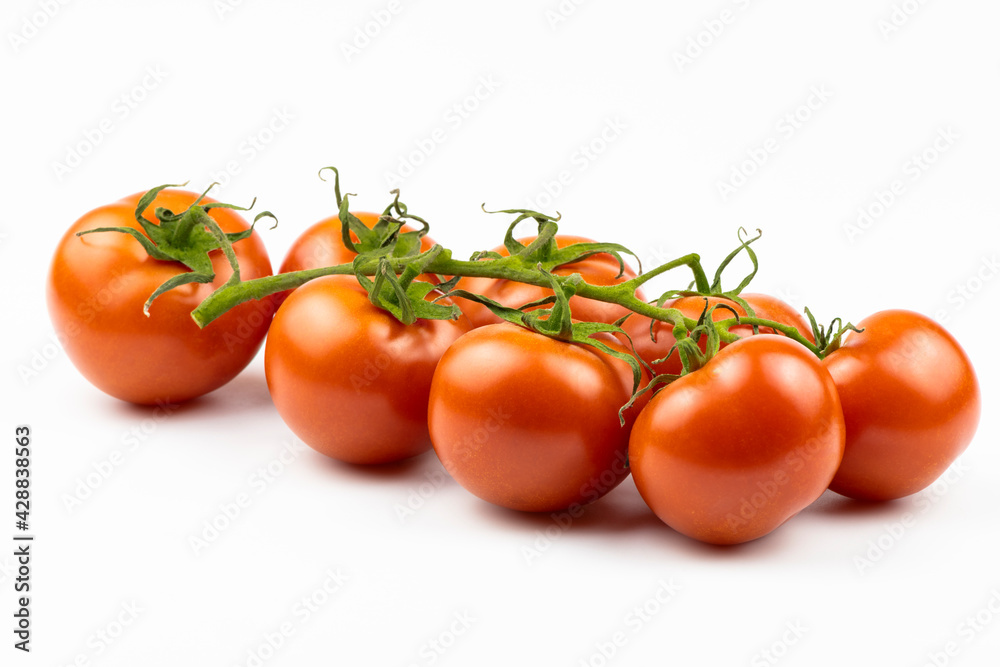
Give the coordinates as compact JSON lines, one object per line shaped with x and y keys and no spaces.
{"x":728,"y":453}
{"x":98,"y":283}
{"x":764,"y":306}
{"x":348,"y":378}
{"x":600,"y":269}
{"x":528,"y":422}
{"x":911,"y":403}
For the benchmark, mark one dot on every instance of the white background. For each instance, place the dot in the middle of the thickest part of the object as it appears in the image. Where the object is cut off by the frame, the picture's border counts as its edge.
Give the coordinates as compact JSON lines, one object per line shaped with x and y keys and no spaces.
{"x":676,"y":131}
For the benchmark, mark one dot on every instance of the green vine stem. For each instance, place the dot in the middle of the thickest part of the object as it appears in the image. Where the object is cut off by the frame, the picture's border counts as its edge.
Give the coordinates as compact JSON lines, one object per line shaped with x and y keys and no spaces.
{"x":510,"y":268}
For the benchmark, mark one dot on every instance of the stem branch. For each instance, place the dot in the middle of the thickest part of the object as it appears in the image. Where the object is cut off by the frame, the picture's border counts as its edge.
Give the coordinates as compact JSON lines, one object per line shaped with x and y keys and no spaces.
{"x":509,"y":268}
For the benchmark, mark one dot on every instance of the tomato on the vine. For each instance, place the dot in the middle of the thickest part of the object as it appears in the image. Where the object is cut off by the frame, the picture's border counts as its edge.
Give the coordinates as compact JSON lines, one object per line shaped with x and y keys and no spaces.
{"x":350,"y":379}
{"x":765,"y":307}
{"x":599,"y":269}
{"x":322,"y":245}
{"x":731,"y":451}
{"x":528,"y":422}
{"x":911,"y":403}
{"x":97,"y":286}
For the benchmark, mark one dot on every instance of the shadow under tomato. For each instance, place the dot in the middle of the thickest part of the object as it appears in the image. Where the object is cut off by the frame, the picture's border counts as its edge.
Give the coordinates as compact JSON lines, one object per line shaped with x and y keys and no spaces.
{"x":832,"y":504}
{"x":620,"y":512}
{"x":779,"y":541}
{"x":243,"y":395}
{"x":414,"y":468}
{"x":160,"y":411}
{"x":612,"y":514}
{"x":623,"y":516}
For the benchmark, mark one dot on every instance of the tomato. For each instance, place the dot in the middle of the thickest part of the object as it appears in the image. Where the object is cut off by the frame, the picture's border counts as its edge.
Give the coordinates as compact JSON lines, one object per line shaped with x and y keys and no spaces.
{"x":600,"y":269}
{"x":529,"y":422}
{"x":728,"y":453}
{"x":322,"y":245}
{"x":764,"y":306}
{"x":97,"y":286}
{"x":348,"y":377}
{"x":911,"y":404}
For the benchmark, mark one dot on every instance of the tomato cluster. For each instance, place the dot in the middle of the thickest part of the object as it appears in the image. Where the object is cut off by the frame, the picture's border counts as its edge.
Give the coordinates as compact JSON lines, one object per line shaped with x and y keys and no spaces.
{"x":729,"y":430}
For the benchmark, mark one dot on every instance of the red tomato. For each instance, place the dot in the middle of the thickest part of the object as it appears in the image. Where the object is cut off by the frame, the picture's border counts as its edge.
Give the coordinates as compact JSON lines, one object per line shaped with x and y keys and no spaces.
{"x":764,"y":306}
{"x":599,"y":269}
{"x":528,"y":422}
{"x":728,"y":453}
{"x":322,"y":245}
{"x":911,"y":404}
{"x":349,"y":378}
{"x":98,"y":284}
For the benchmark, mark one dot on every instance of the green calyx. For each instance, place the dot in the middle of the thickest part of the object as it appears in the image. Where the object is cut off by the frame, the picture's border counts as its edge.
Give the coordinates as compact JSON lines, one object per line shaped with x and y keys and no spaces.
{"x":402,"y":296}
{"x":828,"y":339}
{"x":386,"y":235}
{"x":186,"y":237}
{"x":544,"y":252}
{"x":701,"y":287}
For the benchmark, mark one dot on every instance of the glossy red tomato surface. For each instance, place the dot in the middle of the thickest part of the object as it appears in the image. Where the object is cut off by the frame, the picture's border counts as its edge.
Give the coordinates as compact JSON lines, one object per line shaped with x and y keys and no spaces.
{"x":728,"y":453}
{"x":911,"y":403}
{"x":528,"y":422}
{"x":349,"y":378}
{"x":600,"y":269}
{"x":764,"y":306}
{"x":97,"y":286}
